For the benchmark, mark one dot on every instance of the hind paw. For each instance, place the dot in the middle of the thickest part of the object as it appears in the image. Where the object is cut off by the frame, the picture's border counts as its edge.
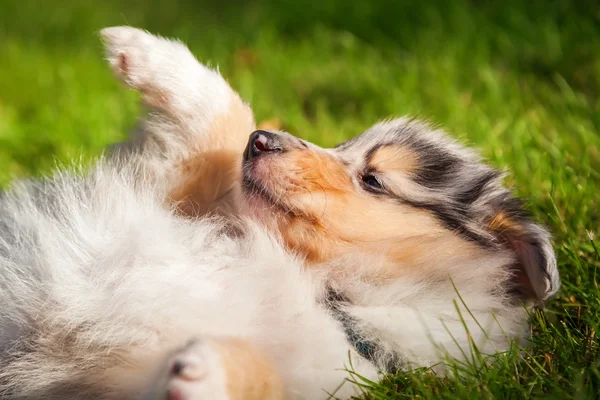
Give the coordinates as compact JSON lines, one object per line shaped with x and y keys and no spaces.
{"x":195,"y":373}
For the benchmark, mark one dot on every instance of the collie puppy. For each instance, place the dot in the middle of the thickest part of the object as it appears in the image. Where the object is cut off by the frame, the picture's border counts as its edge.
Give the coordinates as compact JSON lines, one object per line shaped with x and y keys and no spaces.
{"x":207,"y":260}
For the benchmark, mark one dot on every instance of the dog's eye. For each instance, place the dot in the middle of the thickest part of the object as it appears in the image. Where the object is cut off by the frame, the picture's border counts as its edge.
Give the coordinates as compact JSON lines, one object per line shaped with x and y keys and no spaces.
{"x":372,"y":182}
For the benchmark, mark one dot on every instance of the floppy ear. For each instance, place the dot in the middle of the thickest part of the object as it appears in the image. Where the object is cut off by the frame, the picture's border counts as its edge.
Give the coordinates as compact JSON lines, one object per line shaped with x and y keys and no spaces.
{"x":535,"y":277}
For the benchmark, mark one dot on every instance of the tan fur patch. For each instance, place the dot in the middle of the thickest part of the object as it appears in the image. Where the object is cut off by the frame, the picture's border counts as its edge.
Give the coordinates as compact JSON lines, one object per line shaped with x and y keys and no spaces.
{"x":319,"y":172}
{"x":208,"y":182}
{"x":503,"y":223}
{"x":249,"y":373}
{"x":395,"y":158}
{"x":209,"y":179}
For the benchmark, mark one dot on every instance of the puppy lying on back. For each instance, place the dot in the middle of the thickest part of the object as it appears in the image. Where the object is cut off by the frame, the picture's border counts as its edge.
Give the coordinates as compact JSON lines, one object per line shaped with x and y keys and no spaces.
{"x":207,"y":261}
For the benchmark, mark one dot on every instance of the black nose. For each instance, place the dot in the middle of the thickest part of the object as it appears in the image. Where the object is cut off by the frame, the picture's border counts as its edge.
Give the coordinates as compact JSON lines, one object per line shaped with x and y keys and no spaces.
{"x":262,"y":142}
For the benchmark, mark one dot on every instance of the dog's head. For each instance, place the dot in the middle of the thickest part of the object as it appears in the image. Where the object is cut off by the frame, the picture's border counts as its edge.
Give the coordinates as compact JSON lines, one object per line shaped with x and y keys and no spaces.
{"x":401,"y":191}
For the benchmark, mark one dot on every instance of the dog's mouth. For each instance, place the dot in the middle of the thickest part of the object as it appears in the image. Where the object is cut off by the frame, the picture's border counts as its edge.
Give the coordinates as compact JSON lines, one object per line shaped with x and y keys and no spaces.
{"x":259,"y":196}
{"x":253,"y":187}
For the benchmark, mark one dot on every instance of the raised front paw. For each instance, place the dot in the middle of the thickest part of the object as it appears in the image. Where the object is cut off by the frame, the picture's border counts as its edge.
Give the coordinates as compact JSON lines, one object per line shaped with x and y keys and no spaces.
{"x":167,"y":74}
{"x":163,"y":70}
{"x":196,"y":373}
{"x":138,"y":58}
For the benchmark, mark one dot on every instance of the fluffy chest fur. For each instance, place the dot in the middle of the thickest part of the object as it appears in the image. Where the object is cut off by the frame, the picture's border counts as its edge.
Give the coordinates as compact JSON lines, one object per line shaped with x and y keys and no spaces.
{"x":95,"y":264}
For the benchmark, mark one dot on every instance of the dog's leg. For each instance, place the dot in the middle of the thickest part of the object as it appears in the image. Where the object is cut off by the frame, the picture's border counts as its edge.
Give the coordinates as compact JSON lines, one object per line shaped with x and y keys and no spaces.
{"x":198,"y":126}
{"x":219,"y":369}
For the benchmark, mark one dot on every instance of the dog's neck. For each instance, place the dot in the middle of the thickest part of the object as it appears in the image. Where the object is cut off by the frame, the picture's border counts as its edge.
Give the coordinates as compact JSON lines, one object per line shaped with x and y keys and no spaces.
{"x":417,"y":321}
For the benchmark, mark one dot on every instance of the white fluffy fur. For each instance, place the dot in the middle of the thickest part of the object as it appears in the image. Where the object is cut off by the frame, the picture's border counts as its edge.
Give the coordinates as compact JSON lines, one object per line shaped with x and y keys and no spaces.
{"x":93,"y":263}
{"x":102,"y":256}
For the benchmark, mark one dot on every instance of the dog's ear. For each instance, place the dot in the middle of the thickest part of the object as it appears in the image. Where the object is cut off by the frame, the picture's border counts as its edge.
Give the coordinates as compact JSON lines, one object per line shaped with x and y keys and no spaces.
{"x":535,"y":274}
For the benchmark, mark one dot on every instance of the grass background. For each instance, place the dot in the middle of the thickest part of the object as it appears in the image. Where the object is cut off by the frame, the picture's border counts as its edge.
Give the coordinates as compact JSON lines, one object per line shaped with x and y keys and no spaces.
{"x":518,"y":79}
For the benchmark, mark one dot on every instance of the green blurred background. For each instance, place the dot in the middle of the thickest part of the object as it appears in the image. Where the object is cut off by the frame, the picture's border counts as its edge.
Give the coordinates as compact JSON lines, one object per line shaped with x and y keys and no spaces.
{"x":518,"y":79}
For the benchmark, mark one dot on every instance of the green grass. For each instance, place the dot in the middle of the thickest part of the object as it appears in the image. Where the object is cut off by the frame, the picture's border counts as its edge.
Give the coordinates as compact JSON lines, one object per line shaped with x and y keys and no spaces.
{"x":518,"y":79}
